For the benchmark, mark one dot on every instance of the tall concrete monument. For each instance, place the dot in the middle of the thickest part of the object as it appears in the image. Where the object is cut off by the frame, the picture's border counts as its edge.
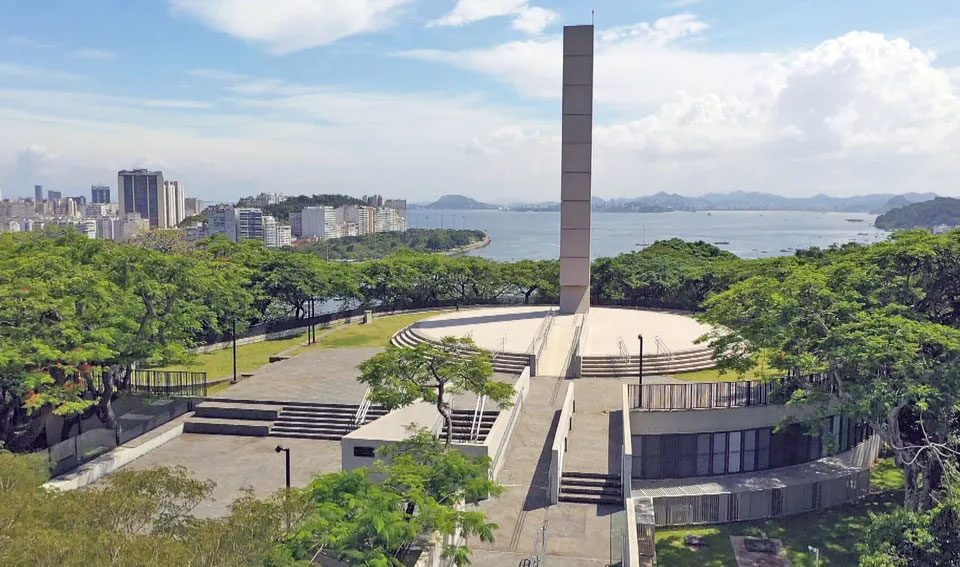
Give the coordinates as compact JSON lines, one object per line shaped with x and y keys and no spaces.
{"x":575,"y":169}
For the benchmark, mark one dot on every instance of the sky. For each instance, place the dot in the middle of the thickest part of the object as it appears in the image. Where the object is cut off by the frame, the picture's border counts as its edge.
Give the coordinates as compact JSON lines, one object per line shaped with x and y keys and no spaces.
{"x":421,"y":98}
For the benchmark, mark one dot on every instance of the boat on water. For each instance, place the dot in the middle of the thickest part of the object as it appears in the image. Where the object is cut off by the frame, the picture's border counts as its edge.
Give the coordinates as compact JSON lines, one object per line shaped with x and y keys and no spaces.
{"x":853,"y":220}
{"x":721,"y":242}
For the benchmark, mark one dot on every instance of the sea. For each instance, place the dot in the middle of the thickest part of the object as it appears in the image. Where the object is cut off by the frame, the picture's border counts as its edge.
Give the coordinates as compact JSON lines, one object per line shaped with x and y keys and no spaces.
{"x":748,"y":234}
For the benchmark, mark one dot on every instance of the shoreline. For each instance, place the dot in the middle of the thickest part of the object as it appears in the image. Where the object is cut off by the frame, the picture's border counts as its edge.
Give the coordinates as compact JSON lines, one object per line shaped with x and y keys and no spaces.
{"x":469,"y":247}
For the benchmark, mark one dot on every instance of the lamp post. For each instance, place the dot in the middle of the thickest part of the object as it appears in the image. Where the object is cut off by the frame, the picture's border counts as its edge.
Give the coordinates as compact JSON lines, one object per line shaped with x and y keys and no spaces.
{"x":640,"y":361}
{"x":234,"y":350}
{"x":286,"y":450}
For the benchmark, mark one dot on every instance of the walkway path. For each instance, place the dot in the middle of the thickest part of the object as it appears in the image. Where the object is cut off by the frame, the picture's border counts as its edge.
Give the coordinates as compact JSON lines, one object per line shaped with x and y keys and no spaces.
{"x":556,"y":355}
{"x":524,"y":506}
{"x":594,"y":443}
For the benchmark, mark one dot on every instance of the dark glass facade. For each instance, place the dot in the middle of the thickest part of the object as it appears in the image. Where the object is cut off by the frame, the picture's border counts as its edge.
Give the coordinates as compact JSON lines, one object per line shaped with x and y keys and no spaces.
{"x":141,"y":193}
{"x":732,"y":452}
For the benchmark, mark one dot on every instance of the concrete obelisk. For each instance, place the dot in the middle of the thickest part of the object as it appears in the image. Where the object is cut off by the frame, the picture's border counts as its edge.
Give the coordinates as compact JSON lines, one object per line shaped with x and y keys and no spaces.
{"x":575,"y":169}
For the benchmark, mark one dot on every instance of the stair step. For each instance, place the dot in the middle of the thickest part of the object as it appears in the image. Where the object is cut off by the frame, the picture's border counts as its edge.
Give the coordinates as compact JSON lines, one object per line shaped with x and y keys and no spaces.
{"x":319,"y":436}
{"x":590,"y":491}
{"x":590,"y":482}
{"x":591,"y":500}
{"x":600,"y":476}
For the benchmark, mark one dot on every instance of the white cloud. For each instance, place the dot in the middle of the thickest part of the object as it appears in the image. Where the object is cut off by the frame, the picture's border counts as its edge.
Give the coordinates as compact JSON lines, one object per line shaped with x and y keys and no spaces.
{"x":93,"y":54}
{"x":534,"y":20}
{"x":528,"y":19}
{"x":285,"y":26}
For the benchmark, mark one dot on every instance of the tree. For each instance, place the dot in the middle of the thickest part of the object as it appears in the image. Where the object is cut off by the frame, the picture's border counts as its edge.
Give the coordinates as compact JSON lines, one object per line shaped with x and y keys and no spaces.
{"x":135,"y":518}
{"x":865,"y":325}
{"x":424,"y":486}
{"x":399,"y":377}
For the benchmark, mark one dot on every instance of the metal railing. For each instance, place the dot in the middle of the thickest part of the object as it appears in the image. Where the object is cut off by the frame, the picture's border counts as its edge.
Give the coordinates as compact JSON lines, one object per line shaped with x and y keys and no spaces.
{"x":624,"y":356}
{"x":714,"y":395}
{"x":662,"y":348}
{"x":477,"y":422}
{"x":361,"y":416}
{"x":170,"y":383}
{"x":538,"y":338}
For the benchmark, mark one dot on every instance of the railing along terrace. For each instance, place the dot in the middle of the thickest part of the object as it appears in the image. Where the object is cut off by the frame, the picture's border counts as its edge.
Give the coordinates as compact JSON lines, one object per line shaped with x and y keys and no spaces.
{"x":175,"y":383}
{"x":710,"y":395}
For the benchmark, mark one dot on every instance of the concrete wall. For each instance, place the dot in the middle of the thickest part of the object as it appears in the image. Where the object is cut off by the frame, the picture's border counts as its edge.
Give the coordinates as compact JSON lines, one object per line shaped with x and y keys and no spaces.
{"x":559,"y":448}
{"x":498,"y":439}
{"x":576,"y":167}
{"x":626,"y":457}
{"x":711,"y":420}
{"x":395,"y":427}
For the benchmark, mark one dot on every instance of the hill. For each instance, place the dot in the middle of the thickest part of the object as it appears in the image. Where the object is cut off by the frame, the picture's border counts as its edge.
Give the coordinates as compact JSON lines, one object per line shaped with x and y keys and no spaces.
{"x":281,"y":211}
{"x":926,"y":214}
{"x":459,"y":203}
{"x":383,"y":244}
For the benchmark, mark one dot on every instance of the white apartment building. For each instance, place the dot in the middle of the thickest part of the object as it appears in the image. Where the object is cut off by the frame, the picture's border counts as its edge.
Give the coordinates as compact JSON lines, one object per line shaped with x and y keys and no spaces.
{"x":174,"y":207}
{"x":364,"y":218}
{"x":319,"y":222}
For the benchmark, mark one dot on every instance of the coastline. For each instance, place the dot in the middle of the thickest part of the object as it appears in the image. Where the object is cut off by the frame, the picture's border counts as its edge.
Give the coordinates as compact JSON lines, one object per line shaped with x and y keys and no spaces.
{"x":469,"y":247}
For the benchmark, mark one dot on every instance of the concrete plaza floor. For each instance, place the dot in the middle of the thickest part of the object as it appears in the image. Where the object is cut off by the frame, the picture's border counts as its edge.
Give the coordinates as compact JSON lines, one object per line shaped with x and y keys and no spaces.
{"x":235,"y":463}
{"x":512,"y":328}
{"x":320,"y":375}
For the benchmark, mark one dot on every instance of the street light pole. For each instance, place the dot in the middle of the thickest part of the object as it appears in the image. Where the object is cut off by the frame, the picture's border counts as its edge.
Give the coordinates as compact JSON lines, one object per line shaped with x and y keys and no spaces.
{"x":234,"y":350}
{"x":286,"y":450}
{"x":640,"y":364}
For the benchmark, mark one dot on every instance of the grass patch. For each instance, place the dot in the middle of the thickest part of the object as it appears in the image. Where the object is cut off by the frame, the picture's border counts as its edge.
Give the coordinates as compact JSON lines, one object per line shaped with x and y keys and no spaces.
{"x":760,"y":371}
{"x":219,"y":363}
{"x":834,"y":531}
{"x":375,"y":334}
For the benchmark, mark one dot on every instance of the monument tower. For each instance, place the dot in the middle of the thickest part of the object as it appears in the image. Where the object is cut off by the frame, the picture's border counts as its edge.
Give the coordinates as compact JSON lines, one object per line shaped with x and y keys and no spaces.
{"x":575,"y":169}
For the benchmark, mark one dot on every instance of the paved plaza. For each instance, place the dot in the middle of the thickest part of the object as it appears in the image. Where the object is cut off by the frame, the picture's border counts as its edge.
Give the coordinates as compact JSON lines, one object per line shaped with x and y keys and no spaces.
{"x":512,"y":328}
{"x":235,"y":462}
{"x":319,"y":375}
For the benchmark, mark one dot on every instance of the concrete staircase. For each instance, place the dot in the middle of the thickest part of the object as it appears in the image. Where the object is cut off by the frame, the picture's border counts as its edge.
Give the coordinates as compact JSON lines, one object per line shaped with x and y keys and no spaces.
{"x":610,"y":366}
{"x":505,"y":362}
{"x":590,"y":488}
{"x":463,"y":421}
{"x":259,"y":418}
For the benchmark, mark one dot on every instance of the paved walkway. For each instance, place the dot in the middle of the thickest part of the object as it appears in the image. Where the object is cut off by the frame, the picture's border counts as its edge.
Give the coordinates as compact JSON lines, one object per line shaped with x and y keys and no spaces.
{"x":577,"y":534}
{"x":556,"y":354}
{"x":594,"y":443}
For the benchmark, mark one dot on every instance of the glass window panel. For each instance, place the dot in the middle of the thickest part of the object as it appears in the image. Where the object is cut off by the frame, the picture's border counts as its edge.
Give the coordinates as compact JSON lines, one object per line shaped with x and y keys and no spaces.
{"x":719,"y":453}
{"x":688,"y":456}
{"x":670,"y":456}
{"x":733,"y":458}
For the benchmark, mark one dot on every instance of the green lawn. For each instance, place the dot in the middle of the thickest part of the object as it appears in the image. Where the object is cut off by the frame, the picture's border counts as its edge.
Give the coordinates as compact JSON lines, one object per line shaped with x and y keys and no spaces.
{"x":762,"y":369}
{"x":377,"y":333}
{"x":834,"y":531}
{"x":219,"y":363}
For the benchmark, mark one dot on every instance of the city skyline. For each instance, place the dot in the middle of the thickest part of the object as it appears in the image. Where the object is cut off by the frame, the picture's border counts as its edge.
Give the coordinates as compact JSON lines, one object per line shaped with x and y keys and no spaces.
{"x":460,"y":97}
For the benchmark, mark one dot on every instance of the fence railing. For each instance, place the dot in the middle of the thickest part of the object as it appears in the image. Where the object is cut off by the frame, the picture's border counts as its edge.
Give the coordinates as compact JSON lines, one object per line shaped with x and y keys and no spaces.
{"x":712,"y":395}
{"x":175,"y":383}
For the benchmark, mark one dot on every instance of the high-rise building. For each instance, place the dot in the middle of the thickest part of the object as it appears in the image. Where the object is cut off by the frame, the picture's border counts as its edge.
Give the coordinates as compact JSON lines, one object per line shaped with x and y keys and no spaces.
{"x":142,"y":192}
{"x":373,"y":200}
{"x":275,"y":235}
{"x":217,"y":219}
{"x":192,"y":207}
{"x":296,"y":224}
{"x":398,"y":204}
{"x":97,"y":210}
{"x":173,"y":193}
{"x":129,"y":226}
{"x":264,"y":199}
{"x":319,"y":222}
{"x":37,"y":193}
{"x":243,"y":223}
{"x":364,"y":218}
{"x":54,"y":195}
{"x":99,"y":194}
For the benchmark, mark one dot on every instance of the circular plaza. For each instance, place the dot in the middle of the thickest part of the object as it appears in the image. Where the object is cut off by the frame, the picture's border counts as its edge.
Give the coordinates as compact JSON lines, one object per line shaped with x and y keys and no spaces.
{"x":601,"y":339}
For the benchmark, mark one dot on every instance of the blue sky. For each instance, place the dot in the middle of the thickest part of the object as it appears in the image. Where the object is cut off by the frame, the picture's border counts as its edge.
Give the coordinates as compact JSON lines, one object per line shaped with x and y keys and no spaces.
{"x":420,"y":98}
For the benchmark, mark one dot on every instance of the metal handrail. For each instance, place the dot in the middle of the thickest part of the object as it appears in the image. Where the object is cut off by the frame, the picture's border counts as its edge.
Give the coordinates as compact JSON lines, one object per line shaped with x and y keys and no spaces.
{"x":362,"y":409}
{"x":624,"y":354}
{"x":477,"y":419}
{"x":542,"y":330}
{"x":662,"y":347}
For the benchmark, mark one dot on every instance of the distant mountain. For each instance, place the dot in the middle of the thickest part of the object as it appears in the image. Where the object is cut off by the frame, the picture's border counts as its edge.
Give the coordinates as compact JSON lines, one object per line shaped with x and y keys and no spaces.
{"x":926,"y":214}
{"x":459,"y":203}
{"x":755,"y":201}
